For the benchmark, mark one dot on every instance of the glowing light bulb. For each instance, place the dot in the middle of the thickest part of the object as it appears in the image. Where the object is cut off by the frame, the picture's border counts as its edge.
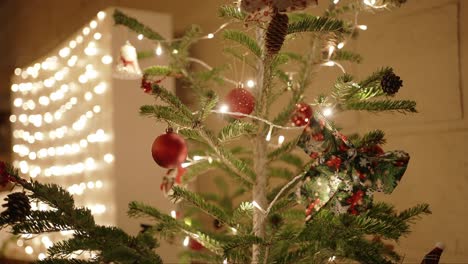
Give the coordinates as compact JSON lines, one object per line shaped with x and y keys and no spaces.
{"x":140,"y":36}
{"x":86,"y":31}
{"x":17,"y":71}
{"x":327,"y":111}
{"x":44,"y":100}
{"x":225,"y":261}
{"x":91,"y":49}
{"x":12,"y":118}
{"x":88,"y":96}
{"x":370,"y":2}
{"x":224,"y":108}
{"x":96,"y":109}
{"x":270,"y":131}
{"x":175,"y":51}
{"x":158,"y":51}
{"x":186,"y":241}
{"x":101,"y":15}
{"x":174,"y":214}
{"x":29,"y":250}
{"x":109,"y":158}
{"x":93,"y":24}
{"x":250,"y":83}
{"x":97,"y":36}
{"x":99,"y":184}
{"x":72,"y":44}
{"x":210,"y":36}
{"x":64,"y":52}
{"x":280,"y":140}
{"x":362,"y":27}
{"x":41,"y":256}
{"x":18,"y":102}
{"x":340,"y":45}
{"x":329,"y":63}
{"x":106,"y":59}
{"x":185,"y":164}
{"x":14,"y":87}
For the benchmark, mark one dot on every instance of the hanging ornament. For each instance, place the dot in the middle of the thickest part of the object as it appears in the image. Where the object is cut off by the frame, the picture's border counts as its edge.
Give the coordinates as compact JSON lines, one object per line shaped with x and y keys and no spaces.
{"x":391,"y":83}
{"x":195,"y":245}
{"x":433,"y":256}
{"x":146,"y":84}
{"x":172,"y":178}
{"x":18,"y":207}
{"x":302,"y":114}
{"x":127,"y":68}
{"x":169,"y":150}
{"x":240,"y":100}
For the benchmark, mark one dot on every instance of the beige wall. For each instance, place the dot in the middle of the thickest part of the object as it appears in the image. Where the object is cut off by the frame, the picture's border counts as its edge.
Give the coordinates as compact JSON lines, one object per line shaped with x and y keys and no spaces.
{"x":426,"y":42}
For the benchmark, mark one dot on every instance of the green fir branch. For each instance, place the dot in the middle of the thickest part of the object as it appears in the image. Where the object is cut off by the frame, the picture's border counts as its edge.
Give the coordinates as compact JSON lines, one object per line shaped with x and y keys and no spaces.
{"x":121,"y":19}
{"x":346,"y":55}
{"x":402,"y":106}
{"x":235,"y":130}
{"x":197,"y":201}
{"x":231,"y":12}
{"x":309,"y":23}
{"x":172,"y":100}
{"x":243,"y":39}
{"x":284,"y":149}
{"x":372,"y":138}
{"x":159,"y":71}
{"x":208,"y":101}
{"x":166,"y":114}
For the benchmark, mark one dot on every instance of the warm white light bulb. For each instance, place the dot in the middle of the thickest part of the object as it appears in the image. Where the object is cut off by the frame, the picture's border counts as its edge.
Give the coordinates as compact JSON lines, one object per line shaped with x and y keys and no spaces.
{"x":329,"y":63}
{"x":210,"y":36}
{"x":362,"y":27}
{"x":336,"y":1}
{"x":140,"y":36}
{"x":327,"y":111}
{"x":280,"y":139}
{"x":97,"y":36}
{"x":106,"y":59}
{"x":109,"y":158}
{"x":158,"y":51}
{"x":186,"y":241}
{"x":64,"y":52}
{"x":174,"y":214}
{"x":101,"y":15}
{"x":29,"y":250}
{"x":224,"y":108}
{"x":93,"y":24}
{"x":86,"y":31}
{"x":17,"y":71}
{"x":250,"y":83}
{"x":340,"y":45}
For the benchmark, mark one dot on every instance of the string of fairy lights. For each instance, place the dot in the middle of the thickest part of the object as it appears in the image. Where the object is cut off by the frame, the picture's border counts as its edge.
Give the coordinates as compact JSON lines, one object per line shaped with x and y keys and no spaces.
{"x":58,"y":106}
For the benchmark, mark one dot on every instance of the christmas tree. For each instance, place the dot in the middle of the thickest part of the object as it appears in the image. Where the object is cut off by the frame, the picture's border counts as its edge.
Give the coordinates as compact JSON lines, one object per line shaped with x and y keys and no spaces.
{"x":293,"y":209}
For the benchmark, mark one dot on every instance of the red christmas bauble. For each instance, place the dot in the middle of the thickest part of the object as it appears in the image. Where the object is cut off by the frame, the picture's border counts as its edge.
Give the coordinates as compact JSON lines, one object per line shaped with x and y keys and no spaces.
{"x":302,"y":114}
{"x":240,"y":100}
{"x":169,"y":150}
{"x":195,"y":245}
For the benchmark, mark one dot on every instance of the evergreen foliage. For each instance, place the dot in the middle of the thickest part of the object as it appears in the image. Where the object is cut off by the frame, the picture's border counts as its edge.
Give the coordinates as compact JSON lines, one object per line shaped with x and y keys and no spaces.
{"x":283,"y":170}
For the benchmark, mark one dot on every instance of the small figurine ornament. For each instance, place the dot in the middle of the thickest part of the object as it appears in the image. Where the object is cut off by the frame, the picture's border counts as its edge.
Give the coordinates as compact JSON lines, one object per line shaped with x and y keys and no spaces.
{"x":127,"y":68}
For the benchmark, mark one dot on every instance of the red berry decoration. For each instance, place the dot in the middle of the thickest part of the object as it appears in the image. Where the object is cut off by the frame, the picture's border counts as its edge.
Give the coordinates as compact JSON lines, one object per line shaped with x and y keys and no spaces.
{"x":302,"y":114}
{"x":169,"y":150}
{"x":240,"y":100}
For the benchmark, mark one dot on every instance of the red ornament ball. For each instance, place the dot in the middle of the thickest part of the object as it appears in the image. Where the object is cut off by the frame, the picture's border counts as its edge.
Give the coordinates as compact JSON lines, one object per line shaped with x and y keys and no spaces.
{"x":195,"y":245}
{"x":240,"y":100}
{"x":302,"y":114}
{"x":169,"y":150}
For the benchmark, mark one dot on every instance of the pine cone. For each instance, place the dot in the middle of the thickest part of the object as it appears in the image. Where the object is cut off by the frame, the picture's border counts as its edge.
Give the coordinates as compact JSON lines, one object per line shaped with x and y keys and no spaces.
{"x":391,"y":83}
{"x":18,"y":207}
{"x":276,"y":33}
